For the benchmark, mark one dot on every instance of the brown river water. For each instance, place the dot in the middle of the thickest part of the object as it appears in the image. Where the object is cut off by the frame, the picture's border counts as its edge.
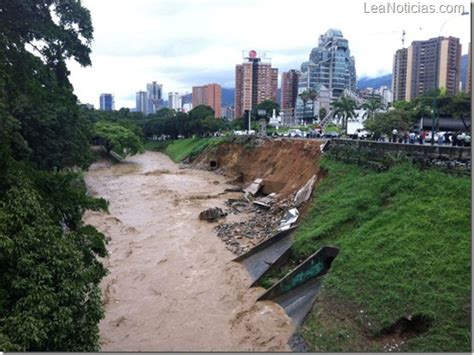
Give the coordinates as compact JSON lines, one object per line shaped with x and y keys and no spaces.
{"x":171,"y":284}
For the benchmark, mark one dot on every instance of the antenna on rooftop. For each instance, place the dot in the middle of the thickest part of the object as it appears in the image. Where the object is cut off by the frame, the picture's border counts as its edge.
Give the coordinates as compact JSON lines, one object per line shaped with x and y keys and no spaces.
{"x":403,"y":38}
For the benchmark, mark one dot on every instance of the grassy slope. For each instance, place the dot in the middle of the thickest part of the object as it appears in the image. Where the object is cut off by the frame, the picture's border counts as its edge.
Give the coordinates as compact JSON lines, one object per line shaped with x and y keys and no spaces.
{"x":405,"y":241}
{"x":182,"y":148}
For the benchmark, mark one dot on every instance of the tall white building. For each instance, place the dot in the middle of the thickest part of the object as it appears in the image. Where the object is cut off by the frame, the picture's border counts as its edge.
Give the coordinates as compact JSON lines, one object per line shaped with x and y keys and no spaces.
{"x":141,"y":102}
{"x":174,"y":101}
{"x":154,"y":97}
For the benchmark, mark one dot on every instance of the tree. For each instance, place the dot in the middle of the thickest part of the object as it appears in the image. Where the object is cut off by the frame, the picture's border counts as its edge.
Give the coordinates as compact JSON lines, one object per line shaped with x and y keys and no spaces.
{"x":114,"y":137}
{"x":371,"y":106}
{"x":345,"y":108}
{"x":201,"y":112}
{"x":384,"y":123}
{"x":268,"y":106}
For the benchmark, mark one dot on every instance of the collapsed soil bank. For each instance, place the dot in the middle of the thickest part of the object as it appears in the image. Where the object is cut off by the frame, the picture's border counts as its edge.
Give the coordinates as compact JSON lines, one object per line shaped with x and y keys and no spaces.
{"x":284,"y":164}
{"x":171,"y":284}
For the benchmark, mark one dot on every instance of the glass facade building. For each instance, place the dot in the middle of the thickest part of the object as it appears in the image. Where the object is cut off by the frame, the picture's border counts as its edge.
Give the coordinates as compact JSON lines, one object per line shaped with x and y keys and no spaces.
{"x":107,"y":102}
{"x":331,"y":66}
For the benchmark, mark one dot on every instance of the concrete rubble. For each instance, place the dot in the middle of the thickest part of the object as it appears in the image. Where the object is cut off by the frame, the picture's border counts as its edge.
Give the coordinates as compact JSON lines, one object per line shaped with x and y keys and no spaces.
{"x":304,"y":194}
{"x":212,"y":214}
{"x":254,"y":187}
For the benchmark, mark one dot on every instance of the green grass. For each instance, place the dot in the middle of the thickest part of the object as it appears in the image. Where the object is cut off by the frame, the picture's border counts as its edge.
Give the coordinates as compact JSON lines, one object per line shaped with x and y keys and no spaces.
{"x":156,"y":146}
{"x":181,"y":149}
{"x":405,"y":248}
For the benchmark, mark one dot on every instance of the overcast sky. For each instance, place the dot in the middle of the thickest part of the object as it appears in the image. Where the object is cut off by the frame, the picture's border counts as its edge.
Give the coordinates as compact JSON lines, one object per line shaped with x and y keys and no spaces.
{"x":181,"y":43}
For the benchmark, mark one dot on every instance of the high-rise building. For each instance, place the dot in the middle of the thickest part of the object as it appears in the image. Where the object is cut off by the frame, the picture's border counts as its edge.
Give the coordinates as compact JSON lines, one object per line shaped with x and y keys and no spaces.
{"x":330,"y":66}
{"x":399,"y":74}
{"x":174,"y":101}
{"x":430,"y":64}
{"x":154,"y":97}
{"x":228,"y":112}
{"x":209,"y":95}
{"x":255,"y":81}
{"x":107,"y":102}
{"x":141,"y":102}
{"x":289,"y":89}
{"x":469,"y":70}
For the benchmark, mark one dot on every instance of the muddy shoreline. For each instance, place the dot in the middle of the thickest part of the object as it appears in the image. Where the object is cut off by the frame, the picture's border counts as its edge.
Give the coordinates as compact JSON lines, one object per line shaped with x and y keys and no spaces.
{"x":171,"y":283}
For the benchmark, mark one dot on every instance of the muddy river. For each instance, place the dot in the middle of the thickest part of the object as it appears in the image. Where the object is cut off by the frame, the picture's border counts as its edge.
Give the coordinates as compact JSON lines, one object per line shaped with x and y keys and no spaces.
{"x":171,"y":283}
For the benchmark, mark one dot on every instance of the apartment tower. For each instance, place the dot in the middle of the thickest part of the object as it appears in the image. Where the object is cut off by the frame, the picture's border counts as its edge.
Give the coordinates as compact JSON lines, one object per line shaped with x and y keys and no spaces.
{"x":430,"y":64}
{"x":255,"y":81}
{"x":289,"y":89}
{"x":209,"y":95}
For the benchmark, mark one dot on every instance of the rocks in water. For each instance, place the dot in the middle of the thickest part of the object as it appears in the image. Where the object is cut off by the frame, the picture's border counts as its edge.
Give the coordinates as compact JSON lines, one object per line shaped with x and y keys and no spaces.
{"x":212,"y":214}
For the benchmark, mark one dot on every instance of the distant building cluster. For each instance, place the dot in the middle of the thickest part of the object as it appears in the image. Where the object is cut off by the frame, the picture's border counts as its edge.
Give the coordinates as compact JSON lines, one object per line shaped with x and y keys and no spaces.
{"x":426,"y":65}
{"x":328,"y":73}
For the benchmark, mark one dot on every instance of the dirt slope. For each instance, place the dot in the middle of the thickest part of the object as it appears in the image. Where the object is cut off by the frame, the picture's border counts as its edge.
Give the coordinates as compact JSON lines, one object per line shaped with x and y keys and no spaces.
{"x":284,"y":164}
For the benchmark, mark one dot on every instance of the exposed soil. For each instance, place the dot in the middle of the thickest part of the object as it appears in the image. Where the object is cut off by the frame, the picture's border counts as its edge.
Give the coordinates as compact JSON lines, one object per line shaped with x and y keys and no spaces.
{"x":171,"y":285}
{"x":284,"y":164}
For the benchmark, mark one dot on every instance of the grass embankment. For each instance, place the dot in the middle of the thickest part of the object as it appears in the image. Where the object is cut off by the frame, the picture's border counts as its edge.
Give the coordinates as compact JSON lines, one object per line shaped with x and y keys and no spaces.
{"x":405,"y":249}
{"x":181,"y":149}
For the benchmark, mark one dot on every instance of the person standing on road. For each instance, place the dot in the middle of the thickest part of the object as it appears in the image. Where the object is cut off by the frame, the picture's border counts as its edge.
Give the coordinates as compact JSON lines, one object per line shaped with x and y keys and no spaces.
{"x":412,"y":137}
{"x":422,"y":136}
{"x":394,"y":135}
{"x":441,"y":139}
{"x":467,"y":140}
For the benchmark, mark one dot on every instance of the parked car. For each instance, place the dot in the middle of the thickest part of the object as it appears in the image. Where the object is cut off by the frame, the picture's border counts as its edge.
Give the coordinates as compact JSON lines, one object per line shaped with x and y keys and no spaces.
{"x":330,"y":135}
{"x":295,"y":133}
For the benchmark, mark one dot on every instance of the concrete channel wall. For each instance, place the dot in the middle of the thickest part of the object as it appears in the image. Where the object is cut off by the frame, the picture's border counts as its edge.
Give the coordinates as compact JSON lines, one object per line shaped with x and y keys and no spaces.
{"x":383,"y":154}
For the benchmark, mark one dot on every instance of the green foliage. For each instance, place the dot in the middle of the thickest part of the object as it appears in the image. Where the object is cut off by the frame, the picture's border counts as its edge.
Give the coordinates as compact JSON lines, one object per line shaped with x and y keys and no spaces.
{"x":404,"y":237}
{"x":49,"y":271}
{"x":115,"y":137}
{"x":384,"y":123}
{"x":184,"y":148}
{"x":344,"y":108}
{"x":268,"y":106}
{"x":49,"y":293}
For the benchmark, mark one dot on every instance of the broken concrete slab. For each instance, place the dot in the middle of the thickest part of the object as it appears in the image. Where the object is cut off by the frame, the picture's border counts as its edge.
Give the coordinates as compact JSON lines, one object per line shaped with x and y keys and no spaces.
{"x":212,"y":214}
{"x":290,"y":217}
{"x":296,"y":292}
{"x":303,"y":195}
{"x":265,"y":202}
{"x":254,"y":187}
{"x":263,"y":256}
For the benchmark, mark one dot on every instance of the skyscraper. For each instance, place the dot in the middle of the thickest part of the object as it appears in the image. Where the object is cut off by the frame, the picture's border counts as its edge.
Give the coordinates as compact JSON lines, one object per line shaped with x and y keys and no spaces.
{"x":289,"y":89}
{"x":107,"y":102}
{"x":399,"y":74}
{"x":255,"y":81}
{"x":174,"y":101}
{"x":469,"y":70}
{"x":430,"y":64}
{"x":141,"y":102}
{"x":154,"y":97}
{"x":209,"y":95}
{"x":330,"y":67}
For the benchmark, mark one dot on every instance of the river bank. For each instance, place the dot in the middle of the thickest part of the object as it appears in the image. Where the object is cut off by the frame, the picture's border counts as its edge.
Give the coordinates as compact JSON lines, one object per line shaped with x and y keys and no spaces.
{"x":171,"y":284}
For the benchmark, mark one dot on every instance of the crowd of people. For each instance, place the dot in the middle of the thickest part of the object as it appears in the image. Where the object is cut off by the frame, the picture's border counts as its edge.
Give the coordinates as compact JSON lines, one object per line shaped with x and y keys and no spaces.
{"x":455,"y":139}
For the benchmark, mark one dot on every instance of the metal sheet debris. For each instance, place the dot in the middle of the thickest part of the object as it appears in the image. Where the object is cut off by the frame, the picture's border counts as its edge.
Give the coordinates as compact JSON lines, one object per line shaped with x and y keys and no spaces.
{"x":290,"y":217}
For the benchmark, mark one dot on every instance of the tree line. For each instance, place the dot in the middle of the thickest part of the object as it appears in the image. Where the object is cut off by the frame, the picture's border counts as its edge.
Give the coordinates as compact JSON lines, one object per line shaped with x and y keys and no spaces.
{"x":49,"y":272}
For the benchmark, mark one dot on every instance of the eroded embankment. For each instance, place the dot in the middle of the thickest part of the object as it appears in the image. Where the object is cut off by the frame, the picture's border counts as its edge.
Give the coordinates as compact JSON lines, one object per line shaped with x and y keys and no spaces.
{"x":285,"y":164}
{"x":171,"y":284}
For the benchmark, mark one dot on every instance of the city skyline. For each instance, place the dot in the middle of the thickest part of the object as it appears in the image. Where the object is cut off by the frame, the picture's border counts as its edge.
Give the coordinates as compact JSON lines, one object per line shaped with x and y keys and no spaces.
{"x":196,"y":46}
